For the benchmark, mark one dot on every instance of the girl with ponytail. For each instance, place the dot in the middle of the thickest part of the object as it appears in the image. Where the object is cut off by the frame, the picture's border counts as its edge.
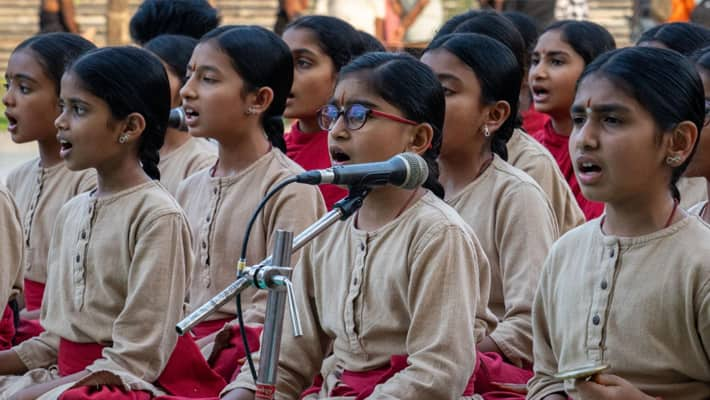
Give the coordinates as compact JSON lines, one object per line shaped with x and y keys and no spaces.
{"x":120,"y":255}
{"x":386,"y":289}
{"x":509,"y":212}
{"x":238,"y":80}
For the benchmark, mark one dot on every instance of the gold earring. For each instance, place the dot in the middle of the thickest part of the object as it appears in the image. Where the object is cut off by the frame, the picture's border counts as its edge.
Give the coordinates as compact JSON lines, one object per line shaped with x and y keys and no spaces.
{"x":123,"y":138}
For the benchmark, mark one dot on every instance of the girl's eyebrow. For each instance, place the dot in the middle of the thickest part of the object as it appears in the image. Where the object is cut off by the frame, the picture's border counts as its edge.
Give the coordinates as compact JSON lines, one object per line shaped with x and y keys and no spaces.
{"x":601,"y":108}
{"x":20,"y":76}
{"x":301,"y":51}
{"x":448,"y":77}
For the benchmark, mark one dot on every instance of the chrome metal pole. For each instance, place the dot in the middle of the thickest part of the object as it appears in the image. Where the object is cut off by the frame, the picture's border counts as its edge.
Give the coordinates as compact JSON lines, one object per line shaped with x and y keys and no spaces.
{"x":275,"y":306}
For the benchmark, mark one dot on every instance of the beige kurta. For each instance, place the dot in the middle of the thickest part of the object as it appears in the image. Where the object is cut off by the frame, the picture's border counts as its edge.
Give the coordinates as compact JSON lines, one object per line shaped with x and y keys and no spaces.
{"x":10,"y":249}
{"x":40,"y":193}
{"x":218,"y":210}
{"x":528,"y":155}
{"x":194,"y":155}
{"x":118,"y":272}
{"x":692,"y":191}
{"x":698,"y":208}
{"x":413,"y":287}
{"x":639,"y":304}
{"x":515,"y":223}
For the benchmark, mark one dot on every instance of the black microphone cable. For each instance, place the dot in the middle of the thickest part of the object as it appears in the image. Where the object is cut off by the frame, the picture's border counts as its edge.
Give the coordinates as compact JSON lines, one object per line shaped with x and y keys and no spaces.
{"x":242,"y":264}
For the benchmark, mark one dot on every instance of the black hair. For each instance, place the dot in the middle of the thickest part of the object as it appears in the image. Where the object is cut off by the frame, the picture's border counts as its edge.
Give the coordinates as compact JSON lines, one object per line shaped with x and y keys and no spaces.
{"x":370,"y":43}
{"x":682,"y":37}
{"x":671,"y":91}
{"x":130,"y":79}
{"x":55,"y":52}
{"x":261,"y":59}
{"x":174,"y":50}
{"x":337,"y":38}
{"x":496,"y":26}
{"x":191,"y":18}
{"x":452,"y":23}
{"x":499,"y":81}
{"x":410,"y":86}
{"x":526,"y":26}
{"x":587,"y":39}
{"x":701,"y":58}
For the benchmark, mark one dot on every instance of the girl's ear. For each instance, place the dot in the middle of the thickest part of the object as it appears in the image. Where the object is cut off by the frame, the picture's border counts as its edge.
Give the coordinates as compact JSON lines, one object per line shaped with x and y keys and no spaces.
{"x":498,"y":113}
{"x":682,"y":141}
{"x":260,"y":100}
{"x":132,"y":128}
{"x":420,"y":139}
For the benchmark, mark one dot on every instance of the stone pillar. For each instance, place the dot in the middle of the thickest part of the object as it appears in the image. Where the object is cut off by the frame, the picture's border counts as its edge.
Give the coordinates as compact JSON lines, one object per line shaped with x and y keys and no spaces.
{"x":117,"y":19}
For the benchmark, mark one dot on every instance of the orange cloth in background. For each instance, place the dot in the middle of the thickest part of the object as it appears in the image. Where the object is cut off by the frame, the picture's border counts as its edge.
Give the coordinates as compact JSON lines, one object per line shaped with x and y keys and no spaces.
{"x":681,"y":10}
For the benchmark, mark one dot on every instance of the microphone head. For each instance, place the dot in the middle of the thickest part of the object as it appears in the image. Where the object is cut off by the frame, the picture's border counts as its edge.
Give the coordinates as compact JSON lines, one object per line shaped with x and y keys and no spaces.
{"x":176,"y":120}
{"x":417,"y":170}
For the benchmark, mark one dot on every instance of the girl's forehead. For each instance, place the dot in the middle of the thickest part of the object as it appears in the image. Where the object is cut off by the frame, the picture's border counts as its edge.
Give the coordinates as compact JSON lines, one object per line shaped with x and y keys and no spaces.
{"x":355,"y":87}
{"x":552,"y":41}
{"x":209,"y":53}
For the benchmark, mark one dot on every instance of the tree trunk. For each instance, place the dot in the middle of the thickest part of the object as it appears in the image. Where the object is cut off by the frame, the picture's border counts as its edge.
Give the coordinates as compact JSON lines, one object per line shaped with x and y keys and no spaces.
{"x":117,"y":22}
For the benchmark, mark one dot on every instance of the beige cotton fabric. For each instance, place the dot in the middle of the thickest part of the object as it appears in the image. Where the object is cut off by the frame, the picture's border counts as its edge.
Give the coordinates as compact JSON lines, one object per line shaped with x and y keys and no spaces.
{"x":40,"y":193}
{"x":417,"y":286}
{"x":639,"y":304}
{"x":118,"y":272}
{"x":11,"y":249}
{"x":194,"y":155}
{"x":692,"y":191}
{"x":698,"y":208}
{"x":218,"y":210}
{"x":528,"y":155}
{"x":516,"y":226}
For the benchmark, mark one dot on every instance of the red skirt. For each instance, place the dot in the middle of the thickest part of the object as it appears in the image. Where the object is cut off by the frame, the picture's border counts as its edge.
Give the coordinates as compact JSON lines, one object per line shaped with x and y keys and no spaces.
{"x":186,"y":374}
{"x":228,"y":360}
{"x":30,"y":328}
{"x":361,"y":384}
{"x":489,"y":370}
{"x":7,"y":328}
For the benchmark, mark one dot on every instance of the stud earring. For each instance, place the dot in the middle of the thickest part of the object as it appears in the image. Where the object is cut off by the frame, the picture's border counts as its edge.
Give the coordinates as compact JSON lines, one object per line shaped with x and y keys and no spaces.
{"x":250,"y":111}
{"x":673,"y":160}
{"x":123,"y":138}
{"x":486,"y":132}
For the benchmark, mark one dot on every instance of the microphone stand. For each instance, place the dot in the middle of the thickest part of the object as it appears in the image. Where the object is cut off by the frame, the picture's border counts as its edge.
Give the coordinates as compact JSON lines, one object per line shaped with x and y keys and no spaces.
{"x":274,"y":274}
{"x":262,"y":274}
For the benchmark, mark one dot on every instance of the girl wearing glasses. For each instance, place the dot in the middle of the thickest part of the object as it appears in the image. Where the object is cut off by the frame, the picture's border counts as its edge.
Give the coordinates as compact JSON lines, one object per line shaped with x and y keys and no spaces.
{"x":386,"y":289}
{"x":238,"y":80}
{"x":509,"y":212}
{"x":700,"y":165}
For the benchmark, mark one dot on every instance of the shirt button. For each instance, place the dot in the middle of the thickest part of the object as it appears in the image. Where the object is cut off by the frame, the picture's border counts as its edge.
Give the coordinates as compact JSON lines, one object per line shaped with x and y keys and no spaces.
{"x":611,"y":253}
{"x":209,"y":218}
{"x":78,"y":258}
{"x":604,"y":285}
{"x":204,"y":245}
{"x":354,"y":281}
{"x":362,"y":246}
{"x":83,"y":234}
{"x":596,"y":320}
{"x":215,"y":190}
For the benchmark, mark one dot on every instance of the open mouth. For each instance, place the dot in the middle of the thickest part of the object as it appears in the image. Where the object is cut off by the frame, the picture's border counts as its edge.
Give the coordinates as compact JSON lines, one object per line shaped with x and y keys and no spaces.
{"x":589,"y":168}
{"x":190,"y":115}
{"x":338,"y":156}
{"x":540,"y":93}
{"x":65,"y":147}
{"x":11,"y":122}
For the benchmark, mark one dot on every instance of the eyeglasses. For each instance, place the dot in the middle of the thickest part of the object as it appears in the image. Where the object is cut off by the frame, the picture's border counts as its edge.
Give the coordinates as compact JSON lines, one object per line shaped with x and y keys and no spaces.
{"x":356,"y":116}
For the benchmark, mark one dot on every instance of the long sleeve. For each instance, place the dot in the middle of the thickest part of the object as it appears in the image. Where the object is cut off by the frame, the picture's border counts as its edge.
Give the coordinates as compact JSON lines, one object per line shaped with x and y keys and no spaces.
{"x":525,"y":231}
{"x":443,"y":297}
{"x":144,"y":332}
{"x":11,"y":248}
{"x":286,"y":211}
{"x":546,"y":365}
{"x":38,"y":352}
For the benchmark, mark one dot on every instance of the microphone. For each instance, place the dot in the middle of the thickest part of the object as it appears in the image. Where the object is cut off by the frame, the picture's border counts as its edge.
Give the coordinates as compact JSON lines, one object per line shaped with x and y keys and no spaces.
{"x":406,"y":170}
{"x":177,"y":119}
